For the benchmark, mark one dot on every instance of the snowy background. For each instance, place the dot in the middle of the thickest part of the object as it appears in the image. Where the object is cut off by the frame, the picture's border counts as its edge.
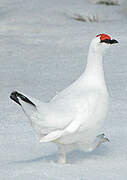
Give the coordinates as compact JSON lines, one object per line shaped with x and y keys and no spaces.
{"x":43,"y":50}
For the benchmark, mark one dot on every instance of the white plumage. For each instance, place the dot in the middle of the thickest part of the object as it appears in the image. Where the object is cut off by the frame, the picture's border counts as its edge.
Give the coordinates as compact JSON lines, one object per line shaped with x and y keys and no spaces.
{"x":73,"y":117}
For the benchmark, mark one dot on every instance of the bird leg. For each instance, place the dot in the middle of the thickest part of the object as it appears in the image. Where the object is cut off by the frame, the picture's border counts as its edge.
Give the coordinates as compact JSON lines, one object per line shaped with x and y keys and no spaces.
{"x":61,"y":155}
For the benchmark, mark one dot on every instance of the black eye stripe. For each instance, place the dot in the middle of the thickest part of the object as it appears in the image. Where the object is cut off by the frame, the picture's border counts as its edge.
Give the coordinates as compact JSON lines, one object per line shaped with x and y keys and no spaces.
{"x":109,"y":41}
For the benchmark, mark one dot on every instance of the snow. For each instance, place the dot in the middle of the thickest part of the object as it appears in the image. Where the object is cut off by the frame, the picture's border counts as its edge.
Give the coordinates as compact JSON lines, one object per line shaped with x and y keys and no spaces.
{"x":42,"y":51}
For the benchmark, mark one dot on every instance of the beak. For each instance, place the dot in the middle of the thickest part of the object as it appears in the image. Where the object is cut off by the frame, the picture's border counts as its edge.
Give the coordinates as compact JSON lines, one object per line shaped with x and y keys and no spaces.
{"x":113,"y":41}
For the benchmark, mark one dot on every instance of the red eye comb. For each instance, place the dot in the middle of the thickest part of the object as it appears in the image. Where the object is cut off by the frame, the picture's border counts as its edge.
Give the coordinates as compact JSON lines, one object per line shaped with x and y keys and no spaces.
{"x":103,"y":36}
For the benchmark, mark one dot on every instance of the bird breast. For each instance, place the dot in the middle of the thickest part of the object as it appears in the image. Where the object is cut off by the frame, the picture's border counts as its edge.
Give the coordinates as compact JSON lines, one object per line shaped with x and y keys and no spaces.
{"x":97,"y":110}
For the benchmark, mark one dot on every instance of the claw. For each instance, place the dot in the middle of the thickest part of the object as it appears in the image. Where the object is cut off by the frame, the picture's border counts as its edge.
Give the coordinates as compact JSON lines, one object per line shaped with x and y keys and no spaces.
{"x":101,"y":139}
{"x":101,"y":136}
{"x":107,"y":140}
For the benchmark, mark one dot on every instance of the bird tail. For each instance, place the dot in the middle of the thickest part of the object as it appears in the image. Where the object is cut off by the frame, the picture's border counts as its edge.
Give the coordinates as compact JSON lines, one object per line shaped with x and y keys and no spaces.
{"x":18,"y":97}
{"x":32,"y":109}
{"x":28,"y":105}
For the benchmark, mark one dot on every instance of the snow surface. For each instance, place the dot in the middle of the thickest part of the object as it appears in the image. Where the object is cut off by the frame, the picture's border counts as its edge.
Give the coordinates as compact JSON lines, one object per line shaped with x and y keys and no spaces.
{"x":43,"y":50}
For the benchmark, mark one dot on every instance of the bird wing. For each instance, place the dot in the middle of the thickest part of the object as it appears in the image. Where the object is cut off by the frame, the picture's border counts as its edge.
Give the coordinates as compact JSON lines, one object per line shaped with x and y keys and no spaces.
{"x":54,"y":135}
{"x":58,"y":121}
{"x":73,"y":127}
{"x":49,"y":117}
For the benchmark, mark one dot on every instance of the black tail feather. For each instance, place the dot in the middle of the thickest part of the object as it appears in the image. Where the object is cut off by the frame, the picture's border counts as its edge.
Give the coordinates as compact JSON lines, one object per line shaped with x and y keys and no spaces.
{"x":14,"y":96}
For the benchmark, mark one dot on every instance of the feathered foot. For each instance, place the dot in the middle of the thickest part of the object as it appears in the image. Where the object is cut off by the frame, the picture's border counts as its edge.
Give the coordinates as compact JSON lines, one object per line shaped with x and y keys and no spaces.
{"x":101,"y":139}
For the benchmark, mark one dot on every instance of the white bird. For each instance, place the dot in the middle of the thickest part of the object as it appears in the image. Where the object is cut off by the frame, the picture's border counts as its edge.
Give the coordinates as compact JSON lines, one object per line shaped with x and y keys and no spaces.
{"x":74,"y":117}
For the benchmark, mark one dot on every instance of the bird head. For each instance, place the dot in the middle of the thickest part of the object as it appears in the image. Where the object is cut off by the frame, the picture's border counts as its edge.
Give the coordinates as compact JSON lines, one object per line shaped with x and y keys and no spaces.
{"x":102,"y":42}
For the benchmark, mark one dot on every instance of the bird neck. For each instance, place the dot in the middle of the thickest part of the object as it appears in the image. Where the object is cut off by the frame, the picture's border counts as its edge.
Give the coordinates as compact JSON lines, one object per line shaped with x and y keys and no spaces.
{"x":94,"y":69}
